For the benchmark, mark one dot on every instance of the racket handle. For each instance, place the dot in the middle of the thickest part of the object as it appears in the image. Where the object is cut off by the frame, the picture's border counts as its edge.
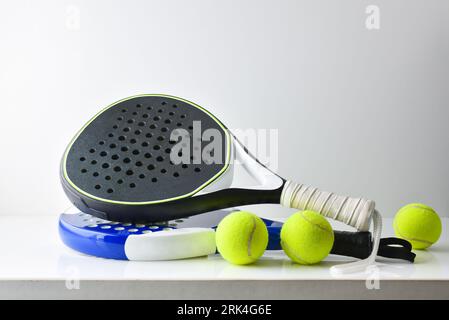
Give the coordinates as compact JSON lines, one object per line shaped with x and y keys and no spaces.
{"x":355,"y":212}
{"x":351,"y":244}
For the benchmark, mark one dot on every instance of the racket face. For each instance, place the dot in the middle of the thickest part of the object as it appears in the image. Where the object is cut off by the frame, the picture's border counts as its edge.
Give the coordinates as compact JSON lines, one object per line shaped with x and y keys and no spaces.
{"x":177,"y":239}
{"x":123,"y":155}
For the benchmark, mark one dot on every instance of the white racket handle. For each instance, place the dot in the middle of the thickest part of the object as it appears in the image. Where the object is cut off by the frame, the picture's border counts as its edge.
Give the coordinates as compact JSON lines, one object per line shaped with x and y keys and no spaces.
{"x":355,"y":212}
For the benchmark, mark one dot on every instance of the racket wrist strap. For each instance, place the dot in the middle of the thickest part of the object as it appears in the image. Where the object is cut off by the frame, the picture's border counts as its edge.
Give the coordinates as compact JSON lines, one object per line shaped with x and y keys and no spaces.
{"x":362,"y":265}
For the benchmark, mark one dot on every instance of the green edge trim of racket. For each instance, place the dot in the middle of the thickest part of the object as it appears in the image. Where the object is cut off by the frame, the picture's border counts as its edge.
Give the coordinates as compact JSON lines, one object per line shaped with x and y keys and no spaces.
{"x":228,"y":157}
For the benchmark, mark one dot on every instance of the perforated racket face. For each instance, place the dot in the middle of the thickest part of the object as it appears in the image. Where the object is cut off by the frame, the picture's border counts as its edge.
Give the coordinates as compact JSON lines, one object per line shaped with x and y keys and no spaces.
{"x":101,"y":226}
{"x":123,"y":154}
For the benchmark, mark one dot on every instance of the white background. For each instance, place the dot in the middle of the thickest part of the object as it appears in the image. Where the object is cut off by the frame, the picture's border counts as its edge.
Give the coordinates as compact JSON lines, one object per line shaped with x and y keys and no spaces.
{"x":360,"y":112}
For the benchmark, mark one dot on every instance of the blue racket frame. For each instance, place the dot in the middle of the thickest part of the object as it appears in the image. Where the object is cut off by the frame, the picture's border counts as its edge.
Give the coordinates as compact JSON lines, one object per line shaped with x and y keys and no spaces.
{"x":106,"y":239}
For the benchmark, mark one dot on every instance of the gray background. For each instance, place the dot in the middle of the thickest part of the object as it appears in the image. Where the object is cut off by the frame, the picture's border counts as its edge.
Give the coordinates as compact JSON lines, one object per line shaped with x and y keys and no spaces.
{"x":360,"y":112}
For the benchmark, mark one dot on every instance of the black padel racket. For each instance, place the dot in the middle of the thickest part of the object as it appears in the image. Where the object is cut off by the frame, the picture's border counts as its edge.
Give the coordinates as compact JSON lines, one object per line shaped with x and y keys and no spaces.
{"x":121,"y":167}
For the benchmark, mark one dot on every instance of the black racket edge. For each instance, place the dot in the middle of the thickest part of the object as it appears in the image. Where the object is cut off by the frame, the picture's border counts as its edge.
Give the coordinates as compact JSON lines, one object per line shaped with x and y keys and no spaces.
{"x":171,"y":210}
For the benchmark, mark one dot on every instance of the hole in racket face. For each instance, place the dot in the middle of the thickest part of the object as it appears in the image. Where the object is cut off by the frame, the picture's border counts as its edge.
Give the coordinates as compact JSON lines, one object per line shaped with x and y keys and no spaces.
{"x":124,"y":153}
{"x":86,"y":221}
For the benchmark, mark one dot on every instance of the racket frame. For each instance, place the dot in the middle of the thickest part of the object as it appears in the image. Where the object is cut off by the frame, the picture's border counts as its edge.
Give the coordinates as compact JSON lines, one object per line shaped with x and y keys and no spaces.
{"x":126,"y":241}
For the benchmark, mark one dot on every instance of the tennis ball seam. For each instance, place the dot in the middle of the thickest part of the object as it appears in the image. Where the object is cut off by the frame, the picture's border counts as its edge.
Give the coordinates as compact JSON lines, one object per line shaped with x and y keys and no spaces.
{"x":408,"y":238}
{"x":314,"y":224}
{"x":293,"y":253}
{"x":251,"y":235}
{"x":427,"y":210}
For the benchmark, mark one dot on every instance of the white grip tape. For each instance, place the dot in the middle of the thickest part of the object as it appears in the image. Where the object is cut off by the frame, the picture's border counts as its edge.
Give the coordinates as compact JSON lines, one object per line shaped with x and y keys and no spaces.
{"x":355,"y":212}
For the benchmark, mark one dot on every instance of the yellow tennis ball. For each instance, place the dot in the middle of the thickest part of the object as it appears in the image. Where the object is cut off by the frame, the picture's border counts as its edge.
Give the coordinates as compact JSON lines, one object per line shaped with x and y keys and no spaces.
{"x":419,"y":224}
{"x":241,"y":237}
{"x":307,"y":237}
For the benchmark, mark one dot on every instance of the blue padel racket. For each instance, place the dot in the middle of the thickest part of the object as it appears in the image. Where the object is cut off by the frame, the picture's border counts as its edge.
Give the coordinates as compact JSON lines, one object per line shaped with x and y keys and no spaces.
{"x":191,"y":237}
{"x":178,"y":239}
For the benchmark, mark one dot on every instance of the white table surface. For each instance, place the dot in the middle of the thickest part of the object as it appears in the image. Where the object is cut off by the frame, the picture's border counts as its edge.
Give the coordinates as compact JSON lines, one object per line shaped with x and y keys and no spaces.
{"x":32,"y":258}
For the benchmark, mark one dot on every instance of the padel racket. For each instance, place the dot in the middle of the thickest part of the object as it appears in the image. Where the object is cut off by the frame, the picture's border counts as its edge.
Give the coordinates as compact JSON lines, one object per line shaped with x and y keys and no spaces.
{"x":119,"y":167}
{"x":192,"y":237}
{"x":177,"y":239}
